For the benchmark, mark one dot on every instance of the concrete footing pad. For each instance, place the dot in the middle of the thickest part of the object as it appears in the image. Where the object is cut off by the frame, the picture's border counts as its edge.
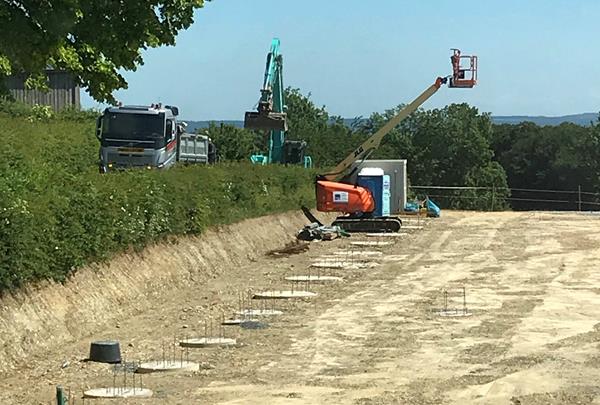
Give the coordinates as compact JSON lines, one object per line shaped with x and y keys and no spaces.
{"x":313,"y":279}
{"x":370,"y":243}
{"x":260,"y":312}
{"x":235,"y":322}
{"x":353,"y":253}
{"x":207,"y":342}
{"x":350,"y":258}
{"x":118,"y":393}
{"x":330,"y":265}
{"x":344,"y":265}
{"x":454,"y":313}
{"x":164,"y":366}
{"x":284,"y":294}
{"x":386,"y":235}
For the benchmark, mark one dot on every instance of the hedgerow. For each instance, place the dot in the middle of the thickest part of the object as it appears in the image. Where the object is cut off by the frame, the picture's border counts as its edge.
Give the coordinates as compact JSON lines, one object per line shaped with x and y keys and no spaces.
{"x":58,"y":214}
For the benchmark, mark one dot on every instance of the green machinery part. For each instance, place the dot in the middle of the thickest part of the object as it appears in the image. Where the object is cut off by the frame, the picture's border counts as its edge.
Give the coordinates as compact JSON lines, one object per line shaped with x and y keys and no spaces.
{"x":271,"y":117}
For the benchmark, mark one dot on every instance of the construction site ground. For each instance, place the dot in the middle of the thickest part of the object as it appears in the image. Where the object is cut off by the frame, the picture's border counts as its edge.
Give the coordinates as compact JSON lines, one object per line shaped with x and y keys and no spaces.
{"x":531,"y":334}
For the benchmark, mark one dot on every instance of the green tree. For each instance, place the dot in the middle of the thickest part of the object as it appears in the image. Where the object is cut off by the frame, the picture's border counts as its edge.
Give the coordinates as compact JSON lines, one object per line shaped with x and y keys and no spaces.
{"x":442,"y":146}
{"x":328,"y":139}
{"x":235,"y":144}
{"x":450,"y":146}
{"x":551,"y":157}
{"x":561,"y":157}
{"x":93,"y":39}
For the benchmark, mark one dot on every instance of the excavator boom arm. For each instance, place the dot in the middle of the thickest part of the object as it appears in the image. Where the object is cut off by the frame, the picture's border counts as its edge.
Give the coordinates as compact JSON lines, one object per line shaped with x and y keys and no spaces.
{"x":363,"y":151}
{"x":273,"y":83}
{"x":270,"y":115}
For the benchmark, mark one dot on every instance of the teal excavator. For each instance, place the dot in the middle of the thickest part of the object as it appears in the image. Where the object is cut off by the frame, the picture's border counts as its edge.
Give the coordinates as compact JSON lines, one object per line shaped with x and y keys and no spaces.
{"x":271,"y":117}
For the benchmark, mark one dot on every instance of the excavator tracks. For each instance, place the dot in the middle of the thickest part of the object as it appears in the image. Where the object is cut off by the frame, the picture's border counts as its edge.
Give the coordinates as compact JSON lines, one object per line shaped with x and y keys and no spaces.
{"x":358,"y":225}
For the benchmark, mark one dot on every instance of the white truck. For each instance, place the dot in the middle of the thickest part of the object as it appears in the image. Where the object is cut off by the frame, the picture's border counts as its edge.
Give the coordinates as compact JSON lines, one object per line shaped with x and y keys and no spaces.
{"x":148,"y":137}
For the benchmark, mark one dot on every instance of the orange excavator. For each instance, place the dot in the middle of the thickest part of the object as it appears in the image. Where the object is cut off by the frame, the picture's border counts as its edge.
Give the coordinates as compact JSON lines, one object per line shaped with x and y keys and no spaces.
{"x":337,"y":193}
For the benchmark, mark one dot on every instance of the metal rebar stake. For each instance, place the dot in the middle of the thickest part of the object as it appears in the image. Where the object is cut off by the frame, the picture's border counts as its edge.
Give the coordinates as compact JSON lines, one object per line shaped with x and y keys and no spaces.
{"x":133,"y":375}
{"x":242,"y":305}
{"x":445,"y":301}
{"x":124,"y":363}
{"x":221,"y":333}
{"x":250,"y":304}
{"x":175,"y":346}
{"x":114,"y":385}
{"x":141,"y":382}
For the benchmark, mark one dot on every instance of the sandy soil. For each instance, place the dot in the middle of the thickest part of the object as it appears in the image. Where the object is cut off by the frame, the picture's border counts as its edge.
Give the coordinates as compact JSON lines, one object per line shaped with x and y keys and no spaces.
{"x":531,"y":335}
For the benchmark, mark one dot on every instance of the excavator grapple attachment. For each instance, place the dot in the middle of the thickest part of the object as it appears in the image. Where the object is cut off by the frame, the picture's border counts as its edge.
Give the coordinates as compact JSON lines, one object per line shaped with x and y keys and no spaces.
{"x":265,"y":121}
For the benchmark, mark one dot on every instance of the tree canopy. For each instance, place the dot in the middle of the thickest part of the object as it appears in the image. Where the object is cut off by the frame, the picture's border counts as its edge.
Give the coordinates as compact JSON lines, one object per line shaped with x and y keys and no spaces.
{"x":452,"y":146}
{"x":93,"y":39}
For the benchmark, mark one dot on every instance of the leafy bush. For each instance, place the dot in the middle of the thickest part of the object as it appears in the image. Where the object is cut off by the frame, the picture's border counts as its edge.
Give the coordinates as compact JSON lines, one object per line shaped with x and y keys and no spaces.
{"x":38,"y":112}
{"x":235,"y":144}
{"x":562,"y":157}
{"x":57,"y":213}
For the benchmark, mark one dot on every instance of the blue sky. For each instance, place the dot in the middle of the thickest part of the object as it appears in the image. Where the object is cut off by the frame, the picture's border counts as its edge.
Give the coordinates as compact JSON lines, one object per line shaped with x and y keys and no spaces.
{"x":536,"y":57}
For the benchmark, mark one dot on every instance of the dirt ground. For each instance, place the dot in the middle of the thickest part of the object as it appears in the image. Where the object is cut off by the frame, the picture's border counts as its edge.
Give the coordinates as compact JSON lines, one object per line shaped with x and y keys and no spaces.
{"x":531,"y":334}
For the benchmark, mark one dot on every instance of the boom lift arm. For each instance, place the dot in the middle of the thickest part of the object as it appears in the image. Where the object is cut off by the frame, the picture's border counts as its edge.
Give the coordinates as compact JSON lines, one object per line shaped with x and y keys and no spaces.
{"x":336,"y":193}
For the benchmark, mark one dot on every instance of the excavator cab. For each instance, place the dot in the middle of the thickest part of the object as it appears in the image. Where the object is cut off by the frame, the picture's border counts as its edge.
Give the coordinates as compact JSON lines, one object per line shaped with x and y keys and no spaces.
{"x":464,"y":70}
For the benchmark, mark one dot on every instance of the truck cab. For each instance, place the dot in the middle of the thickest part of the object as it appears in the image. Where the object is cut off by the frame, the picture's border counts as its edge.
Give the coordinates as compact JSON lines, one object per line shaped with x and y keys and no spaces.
{"x":147,"y":137}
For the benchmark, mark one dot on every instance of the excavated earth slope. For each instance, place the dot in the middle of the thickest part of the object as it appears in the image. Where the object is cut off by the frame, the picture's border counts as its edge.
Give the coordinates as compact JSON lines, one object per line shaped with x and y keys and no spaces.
{"x":36,"y":319}
{"x":529,"y":335}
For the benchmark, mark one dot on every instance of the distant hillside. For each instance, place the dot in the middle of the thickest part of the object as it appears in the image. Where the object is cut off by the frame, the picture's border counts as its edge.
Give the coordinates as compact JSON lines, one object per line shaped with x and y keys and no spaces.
{"x":580,"y":119}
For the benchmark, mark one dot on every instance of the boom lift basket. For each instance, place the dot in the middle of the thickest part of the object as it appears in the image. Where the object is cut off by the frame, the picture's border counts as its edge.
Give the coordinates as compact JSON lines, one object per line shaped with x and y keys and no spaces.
{"x":464,"y":70}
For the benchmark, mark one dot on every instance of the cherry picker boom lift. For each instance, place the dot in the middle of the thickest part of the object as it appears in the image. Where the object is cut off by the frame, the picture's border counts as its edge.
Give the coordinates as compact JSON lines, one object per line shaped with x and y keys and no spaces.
{"x":335,"y":191}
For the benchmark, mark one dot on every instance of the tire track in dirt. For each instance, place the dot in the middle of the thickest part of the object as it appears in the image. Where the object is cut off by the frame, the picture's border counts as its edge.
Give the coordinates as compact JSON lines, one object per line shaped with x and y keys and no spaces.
{"x":524,"y":367}
{"x":375,"y":338}
{"x":357,"y":343}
